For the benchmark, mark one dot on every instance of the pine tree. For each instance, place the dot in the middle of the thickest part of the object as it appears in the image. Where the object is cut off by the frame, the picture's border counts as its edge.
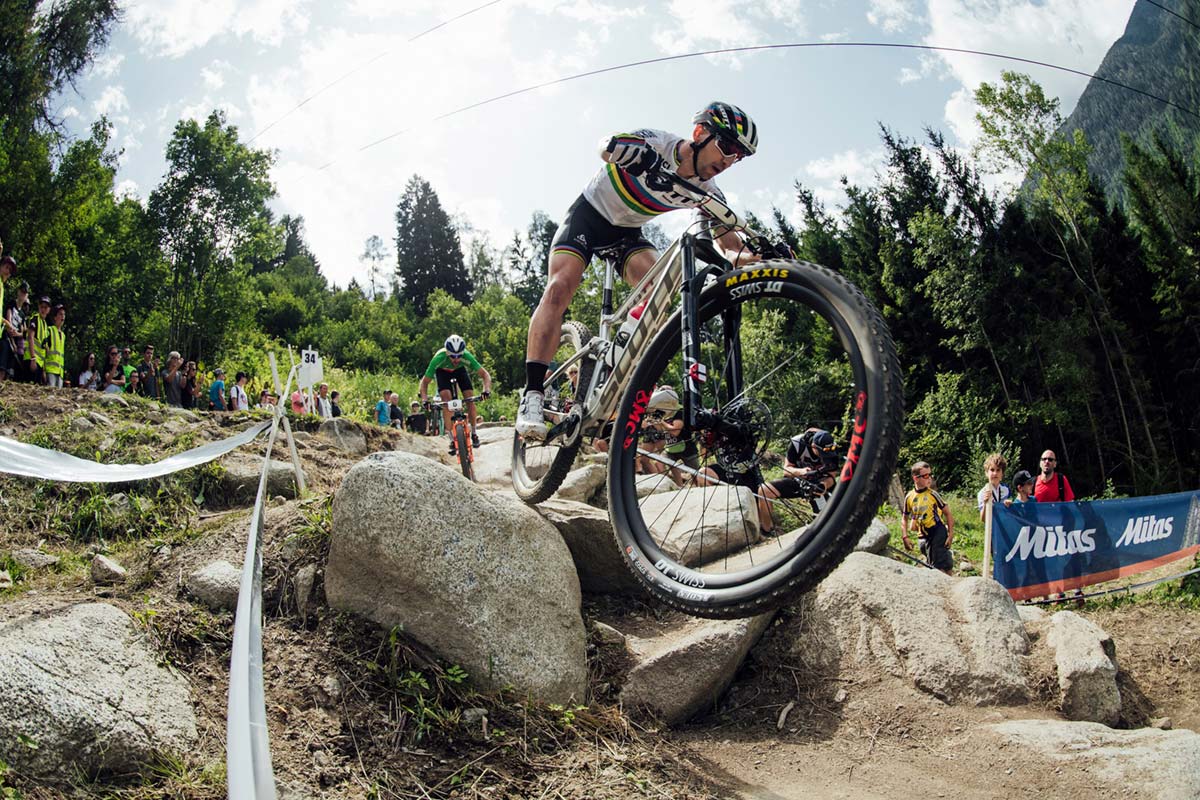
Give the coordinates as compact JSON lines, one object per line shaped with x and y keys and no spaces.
{"x":428,"y":253}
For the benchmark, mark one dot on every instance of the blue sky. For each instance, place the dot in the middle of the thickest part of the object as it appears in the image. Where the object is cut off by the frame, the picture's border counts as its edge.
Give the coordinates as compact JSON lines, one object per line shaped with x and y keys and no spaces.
{"x":818,"y":108}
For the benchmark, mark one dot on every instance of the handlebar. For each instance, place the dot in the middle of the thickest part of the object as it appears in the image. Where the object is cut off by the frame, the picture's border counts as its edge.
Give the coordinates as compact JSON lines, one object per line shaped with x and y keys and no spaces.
{"x":726,"y":216}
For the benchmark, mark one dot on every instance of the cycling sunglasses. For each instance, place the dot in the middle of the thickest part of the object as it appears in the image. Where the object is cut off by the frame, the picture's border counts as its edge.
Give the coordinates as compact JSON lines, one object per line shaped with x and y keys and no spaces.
{"x":730,"y":147}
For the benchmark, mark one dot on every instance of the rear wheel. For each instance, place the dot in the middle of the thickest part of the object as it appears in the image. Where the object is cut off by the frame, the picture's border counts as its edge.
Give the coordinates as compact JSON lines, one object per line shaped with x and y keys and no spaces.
{"x":786,"y":346}
{"x":462,"y":442}
{"x":538,"y":468}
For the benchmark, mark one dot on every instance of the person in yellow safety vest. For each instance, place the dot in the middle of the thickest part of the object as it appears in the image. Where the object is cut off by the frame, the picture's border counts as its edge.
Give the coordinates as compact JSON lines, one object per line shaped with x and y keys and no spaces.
{"x":35,"y":352}
{"x":56,"y":341}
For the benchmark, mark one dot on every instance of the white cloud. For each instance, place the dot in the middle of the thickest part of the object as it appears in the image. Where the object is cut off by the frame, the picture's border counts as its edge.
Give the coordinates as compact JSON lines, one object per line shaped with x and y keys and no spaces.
{"x":908,"y":75}
{"x":823,"y":176}
{"x":214,"y":74}
{"x":1071,"y":33}
{"x":111,"y":103}
{"x":175,"y":27}
{"x":718,"y":24}
{"x":107,"y":65}
{"x":70,"y":112}
{"x":890,"y":15}
{"x":128,"y":188}
{"x":839,"y":36}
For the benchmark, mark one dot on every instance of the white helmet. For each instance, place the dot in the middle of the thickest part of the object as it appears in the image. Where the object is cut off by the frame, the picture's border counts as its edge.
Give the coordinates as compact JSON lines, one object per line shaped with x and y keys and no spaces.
{"x":664,"y":400}
{"x":455,"y":345}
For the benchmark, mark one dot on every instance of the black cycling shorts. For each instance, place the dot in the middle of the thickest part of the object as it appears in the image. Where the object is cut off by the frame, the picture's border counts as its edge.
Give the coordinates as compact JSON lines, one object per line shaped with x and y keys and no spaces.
{"x":585,"y":232}
{"x":444,"y":377}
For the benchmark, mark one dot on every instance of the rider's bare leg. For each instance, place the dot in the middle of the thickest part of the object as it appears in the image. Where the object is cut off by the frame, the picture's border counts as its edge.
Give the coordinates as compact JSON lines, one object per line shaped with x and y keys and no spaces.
{"x":638,"y":264}
{"x":445,"y":395}
{"x":545,"y":326}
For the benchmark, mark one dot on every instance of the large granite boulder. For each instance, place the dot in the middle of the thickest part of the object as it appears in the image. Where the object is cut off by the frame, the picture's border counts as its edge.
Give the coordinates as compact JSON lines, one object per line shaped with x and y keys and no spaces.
{"x":476,"y":576}
{"x":1086,"y":665}
{"x":685,"y":669}
{"x":589,"y":535}
{"x":81,"y":685}
{"x":961,"y":640}
{"x":344,"y":434}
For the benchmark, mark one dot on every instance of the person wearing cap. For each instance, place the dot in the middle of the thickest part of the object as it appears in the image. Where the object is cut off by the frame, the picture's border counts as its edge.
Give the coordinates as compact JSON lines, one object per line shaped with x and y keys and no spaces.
{"x":416,"y":422}
{"x":216,"y":392}
{"x":34,"y":350}
{"x":810,"y":467}
{"x":56,"y":348}
{"x":1023,"y":484}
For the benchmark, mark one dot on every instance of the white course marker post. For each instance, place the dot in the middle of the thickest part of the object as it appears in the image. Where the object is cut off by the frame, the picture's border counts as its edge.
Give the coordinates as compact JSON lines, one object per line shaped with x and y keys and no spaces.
{"x":987,"y":536}
{"x":287,"y":426}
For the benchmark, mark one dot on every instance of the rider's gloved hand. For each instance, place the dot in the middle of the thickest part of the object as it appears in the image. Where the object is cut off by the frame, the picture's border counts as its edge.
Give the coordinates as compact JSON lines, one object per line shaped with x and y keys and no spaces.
{"x":647,"y":161}
{"x":485,"y":395}
{"x":780,"y":250}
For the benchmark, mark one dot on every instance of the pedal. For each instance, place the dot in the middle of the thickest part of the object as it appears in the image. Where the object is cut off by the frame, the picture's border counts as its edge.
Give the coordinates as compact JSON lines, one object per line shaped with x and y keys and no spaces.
{"x":565,"y":427}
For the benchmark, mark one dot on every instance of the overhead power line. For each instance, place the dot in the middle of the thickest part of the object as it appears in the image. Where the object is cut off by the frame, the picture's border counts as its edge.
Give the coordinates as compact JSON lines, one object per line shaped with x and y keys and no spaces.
{"x":760,"y":47}
{"x":365,"y":64}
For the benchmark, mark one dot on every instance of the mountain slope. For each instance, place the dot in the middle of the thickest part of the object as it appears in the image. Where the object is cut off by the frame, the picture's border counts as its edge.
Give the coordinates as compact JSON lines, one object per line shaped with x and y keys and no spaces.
{"x":1159,"y":53}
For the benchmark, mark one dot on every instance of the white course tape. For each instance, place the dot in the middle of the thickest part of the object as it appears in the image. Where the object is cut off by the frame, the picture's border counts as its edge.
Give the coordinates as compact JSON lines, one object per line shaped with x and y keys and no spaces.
{"x":248,"y":770}
{"x":17,"y":458}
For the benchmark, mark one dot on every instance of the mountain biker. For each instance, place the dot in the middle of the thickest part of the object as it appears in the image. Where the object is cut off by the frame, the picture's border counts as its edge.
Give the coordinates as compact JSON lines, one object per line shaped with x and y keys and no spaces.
{"x":625,"y":194}
{"x":810,"y":470}
{"x":450,"y":363}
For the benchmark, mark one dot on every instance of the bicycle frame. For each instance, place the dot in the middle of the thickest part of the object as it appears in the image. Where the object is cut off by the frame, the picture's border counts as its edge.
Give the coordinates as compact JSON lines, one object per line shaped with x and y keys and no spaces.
{"x":674,"y":273}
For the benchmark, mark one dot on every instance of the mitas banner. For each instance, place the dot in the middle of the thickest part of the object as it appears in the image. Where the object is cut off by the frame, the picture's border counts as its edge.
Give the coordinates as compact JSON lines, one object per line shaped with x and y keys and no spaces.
{"x":1043,"y":548}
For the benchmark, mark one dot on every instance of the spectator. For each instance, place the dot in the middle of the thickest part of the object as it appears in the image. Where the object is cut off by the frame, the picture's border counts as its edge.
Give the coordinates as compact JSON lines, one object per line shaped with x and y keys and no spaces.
{"x":12,"y":342}
{"x":395,"y":412}
{"x":191,"y":385}
{"x":173,"y":380}
{"x":383,"y":411}
{"x":112,"y":377}
{"x":56,"y":348}
{"x":38,"y":331}
{"x":89,"y":372}
{"x":8,"y":267}
{"x":1023,"y":482}
{"x":298,"y":402}
{"x":148,"y":374}
{"x":925,"y":510}
{"x":995,"y":491}
{"x":265,"y":400}
{"x":133,"y":383}
{"x":1052,"y":486}
{"x":238,"y":399}
{"x":324,"y":408}
{"x":216,"y":391}
{"x":334,"y":407}
{"x":416,"y":422}
{"x":810,"y":468}
{"x":127,"y":365}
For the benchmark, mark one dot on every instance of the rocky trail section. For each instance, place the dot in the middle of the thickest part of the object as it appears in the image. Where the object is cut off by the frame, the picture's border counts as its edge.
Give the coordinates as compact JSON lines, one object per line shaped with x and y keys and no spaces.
{"x":886,"y":681}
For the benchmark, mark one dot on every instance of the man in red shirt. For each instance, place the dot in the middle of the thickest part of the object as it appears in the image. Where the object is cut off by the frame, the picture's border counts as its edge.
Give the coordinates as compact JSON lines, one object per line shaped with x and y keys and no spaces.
{"x":1052,"y":487}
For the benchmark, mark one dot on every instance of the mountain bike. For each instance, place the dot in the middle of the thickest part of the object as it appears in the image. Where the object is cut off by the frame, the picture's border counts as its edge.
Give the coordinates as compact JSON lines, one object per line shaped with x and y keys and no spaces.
{"x":460,"y":428}
{"x":759,"y":353}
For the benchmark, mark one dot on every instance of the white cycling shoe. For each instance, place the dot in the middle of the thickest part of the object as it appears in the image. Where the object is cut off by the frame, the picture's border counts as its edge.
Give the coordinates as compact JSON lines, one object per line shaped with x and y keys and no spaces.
{"x":531,"y":423}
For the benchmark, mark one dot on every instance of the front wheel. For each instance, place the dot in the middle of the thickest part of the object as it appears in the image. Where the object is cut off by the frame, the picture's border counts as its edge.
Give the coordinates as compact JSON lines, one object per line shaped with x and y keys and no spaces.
{"x":463,"y":443}
{"x":785,"y":347}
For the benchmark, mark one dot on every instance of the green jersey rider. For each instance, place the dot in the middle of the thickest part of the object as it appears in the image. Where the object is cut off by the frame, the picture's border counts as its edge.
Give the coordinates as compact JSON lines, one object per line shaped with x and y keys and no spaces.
{"x":450,"y":363}
{"x":606,"y":220}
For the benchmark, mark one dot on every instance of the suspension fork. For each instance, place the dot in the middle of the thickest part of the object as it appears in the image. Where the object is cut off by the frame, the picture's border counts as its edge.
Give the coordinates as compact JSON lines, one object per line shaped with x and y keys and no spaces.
{"x":695,"y":372}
